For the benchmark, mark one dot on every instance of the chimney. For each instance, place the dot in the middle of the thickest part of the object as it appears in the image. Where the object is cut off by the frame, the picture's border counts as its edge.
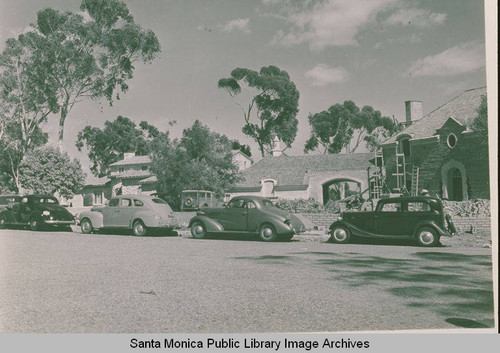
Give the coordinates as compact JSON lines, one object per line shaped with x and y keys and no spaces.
{"x":414,"y":111}
{"x":277,"y":150}
{"x":127,"y":155}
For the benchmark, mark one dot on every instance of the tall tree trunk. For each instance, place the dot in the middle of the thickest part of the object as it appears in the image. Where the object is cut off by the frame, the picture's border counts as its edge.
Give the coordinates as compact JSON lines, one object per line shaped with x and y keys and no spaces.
{"x":64,"y":113}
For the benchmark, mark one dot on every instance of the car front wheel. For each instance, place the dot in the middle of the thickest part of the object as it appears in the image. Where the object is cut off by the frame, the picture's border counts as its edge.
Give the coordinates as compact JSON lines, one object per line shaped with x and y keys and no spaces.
{"x":34,"y":226}
{"x":267,"y":232}
{"x":426,"y":236}
{"x":340,"y":234}
{"x":198,"y":230}
{"x":139,"y":228}
{"x":86,"y":226}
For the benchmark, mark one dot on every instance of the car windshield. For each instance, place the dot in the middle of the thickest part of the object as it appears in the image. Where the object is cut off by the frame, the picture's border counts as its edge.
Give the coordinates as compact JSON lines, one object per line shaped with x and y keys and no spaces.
{"x":160,"y":201}
{"x":267,"y":203}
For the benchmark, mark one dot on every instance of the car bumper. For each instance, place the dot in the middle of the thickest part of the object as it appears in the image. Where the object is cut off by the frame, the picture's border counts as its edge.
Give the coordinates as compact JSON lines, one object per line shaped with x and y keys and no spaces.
{"x":53,"y":222}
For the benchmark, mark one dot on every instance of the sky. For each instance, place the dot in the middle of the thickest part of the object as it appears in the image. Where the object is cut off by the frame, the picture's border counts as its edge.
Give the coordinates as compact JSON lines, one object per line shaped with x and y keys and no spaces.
{"x":374,"y":52}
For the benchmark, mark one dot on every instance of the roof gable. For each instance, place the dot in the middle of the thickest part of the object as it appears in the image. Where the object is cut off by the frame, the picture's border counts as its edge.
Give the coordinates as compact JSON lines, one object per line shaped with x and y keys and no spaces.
{"x":463,"y":109}
{"x":451,"y":125}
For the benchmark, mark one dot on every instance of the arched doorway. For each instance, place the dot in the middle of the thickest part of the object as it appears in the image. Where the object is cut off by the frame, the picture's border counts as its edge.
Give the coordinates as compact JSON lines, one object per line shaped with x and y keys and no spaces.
{"x":338,"y":189}
{"x":455,"y":182}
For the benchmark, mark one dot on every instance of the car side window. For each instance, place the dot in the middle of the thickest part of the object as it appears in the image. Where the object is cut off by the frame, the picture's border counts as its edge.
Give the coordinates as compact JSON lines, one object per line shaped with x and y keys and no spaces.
{"x":240,"y":203}
{"x":250,"y":204}
{"x":125,"y":203}
{"x":418,"y":207}
{"x":391,"y":207}
{"x":113,"y":202}
{"x":138,"y":203}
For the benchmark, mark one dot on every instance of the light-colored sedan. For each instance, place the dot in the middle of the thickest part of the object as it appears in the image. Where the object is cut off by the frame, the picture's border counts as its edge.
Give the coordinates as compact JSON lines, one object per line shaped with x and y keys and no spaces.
{"x":140,"y":213}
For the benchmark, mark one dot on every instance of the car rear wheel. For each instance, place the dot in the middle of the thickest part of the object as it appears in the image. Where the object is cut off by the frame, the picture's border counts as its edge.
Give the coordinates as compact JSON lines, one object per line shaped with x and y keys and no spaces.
{"x":267,"y":232}
{"x":340,"y":234}
{"x":198,"y":230}
{"x":86,"y":226}
{"x":427,"y":236}
{"x":139,"y":228}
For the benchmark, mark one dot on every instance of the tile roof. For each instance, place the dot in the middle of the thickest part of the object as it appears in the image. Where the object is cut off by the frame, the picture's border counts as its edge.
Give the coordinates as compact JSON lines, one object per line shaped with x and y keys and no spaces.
{"x":92,"y":180}
{"x":294,"y":170}
{"x":151,"y":179}
{"x":132,"y":174}
{"x":462,"y":108}
{"x":133,"y":160}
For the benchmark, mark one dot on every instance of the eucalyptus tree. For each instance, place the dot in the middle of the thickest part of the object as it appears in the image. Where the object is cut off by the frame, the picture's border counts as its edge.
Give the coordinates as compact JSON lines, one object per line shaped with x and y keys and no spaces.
{"x":270,"y":105}
{"x":72,"y":57}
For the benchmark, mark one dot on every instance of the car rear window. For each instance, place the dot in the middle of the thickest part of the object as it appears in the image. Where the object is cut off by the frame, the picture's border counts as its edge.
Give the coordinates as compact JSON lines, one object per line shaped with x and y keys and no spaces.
{"x":267,"y":203}
{"x":418,"y":207}
{"x":160,"y":201}
{"x":113,"y":202}
{"x":391,"y":207}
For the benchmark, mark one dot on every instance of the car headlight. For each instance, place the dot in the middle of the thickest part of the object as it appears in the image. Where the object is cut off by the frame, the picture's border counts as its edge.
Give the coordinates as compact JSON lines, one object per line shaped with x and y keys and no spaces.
{"x":46,"y":213}
{"x":157,"y":217}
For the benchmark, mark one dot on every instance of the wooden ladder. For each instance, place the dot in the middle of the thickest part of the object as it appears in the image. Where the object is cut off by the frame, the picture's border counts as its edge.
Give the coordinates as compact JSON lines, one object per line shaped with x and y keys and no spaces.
{"x":414,"y":180}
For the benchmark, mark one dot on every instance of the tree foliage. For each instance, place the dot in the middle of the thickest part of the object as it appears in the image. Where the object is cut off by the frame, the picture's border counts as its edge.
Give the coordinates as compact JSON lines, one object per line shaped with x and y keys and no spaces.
{"x":237,"y":146}
{"x":107,"y":146}
{"x":480,"y":122}
{"x":69,"y":57}
{"x":200,"y":159}
{"x":272,"y":106}
{"x":46,"y":170}
{"x":344,"y":126}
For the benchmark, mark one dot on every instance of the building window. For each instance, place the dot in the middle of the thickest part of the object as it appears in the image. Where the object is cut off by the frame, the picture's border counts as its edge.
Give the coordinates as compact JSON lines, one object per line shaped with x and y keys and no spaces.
{"x":121,"y":169}
{"x":97,"y":198}
{"x":404,"y":146}
{"x":451,"y":140}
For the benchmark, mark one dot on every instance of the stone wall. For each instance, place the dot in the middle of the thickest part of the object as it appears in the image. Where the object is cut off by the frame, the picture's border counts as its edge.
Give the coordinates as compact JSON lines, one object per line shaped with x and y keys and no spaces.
{"x":464,"y":224}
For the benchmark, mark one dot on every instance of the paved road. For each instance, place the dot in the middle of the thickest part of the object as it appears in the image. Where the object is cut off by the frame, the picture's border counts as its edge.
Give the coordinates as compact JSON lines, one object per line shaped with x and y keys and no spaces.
{"x":61,"y":282}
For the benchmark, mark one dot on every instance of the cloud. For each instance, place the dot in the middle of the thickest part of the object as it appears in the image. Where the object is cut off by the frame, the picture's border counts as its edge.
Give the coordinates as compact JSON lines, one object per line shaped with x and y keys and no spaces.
{"x":463,"y":58}
{"x":322,"y":75}
{"x":239,"y":24}
{"x":416,"y":17}
{"x":328,"y":23}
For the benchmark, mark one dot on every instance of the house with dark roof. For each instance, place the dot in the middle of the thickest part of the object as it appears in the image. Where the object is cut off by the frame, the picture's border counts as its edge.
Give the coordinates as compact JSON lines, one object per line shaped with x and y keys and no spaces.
{"x":439,"y":152}
{"x":319,"y":177}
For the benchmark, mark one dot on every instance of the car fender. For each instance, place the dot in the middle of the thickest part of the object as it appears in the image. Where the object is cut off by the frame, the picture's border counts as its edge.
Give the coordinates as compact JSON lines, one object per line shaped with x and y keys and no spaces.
{"x":7,"y":216}
{"x":354,"y":230}
{"x":340,"y":222}
{"x":95,"y":218}
{"x":211,"y":225}
{"x":278,"y":223}
{"x":433,"y":225}
{"x":146,"y":217}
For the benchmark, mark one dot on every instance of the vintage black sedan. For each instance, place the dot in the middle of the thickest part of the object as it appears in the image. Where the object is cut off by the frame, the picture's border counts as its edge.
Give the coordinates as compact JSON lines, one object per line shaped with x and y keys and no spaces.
{"x":419,"y":218}
{"x":35,"y":212}
{"x":246,"y":215}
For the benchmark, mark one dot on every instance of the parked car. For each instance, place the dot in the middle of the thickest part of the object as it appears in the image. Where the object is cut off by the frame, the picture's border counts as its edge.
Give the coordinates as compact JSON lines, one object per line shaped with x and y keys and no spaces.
{"x":247,"y":215}
{"x":140,"y":213}
{"x":196,"y":199}
{"x":420,"y":218}
{"x":35,"y":212}
{"x":8,"y":201}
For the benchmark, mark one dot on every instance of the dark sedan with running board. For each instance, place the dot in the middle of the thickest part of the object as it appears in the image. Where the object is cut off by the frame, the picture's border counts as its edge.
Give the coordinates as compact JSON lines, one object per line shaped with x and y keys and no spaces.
{"x":420,"y":218}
